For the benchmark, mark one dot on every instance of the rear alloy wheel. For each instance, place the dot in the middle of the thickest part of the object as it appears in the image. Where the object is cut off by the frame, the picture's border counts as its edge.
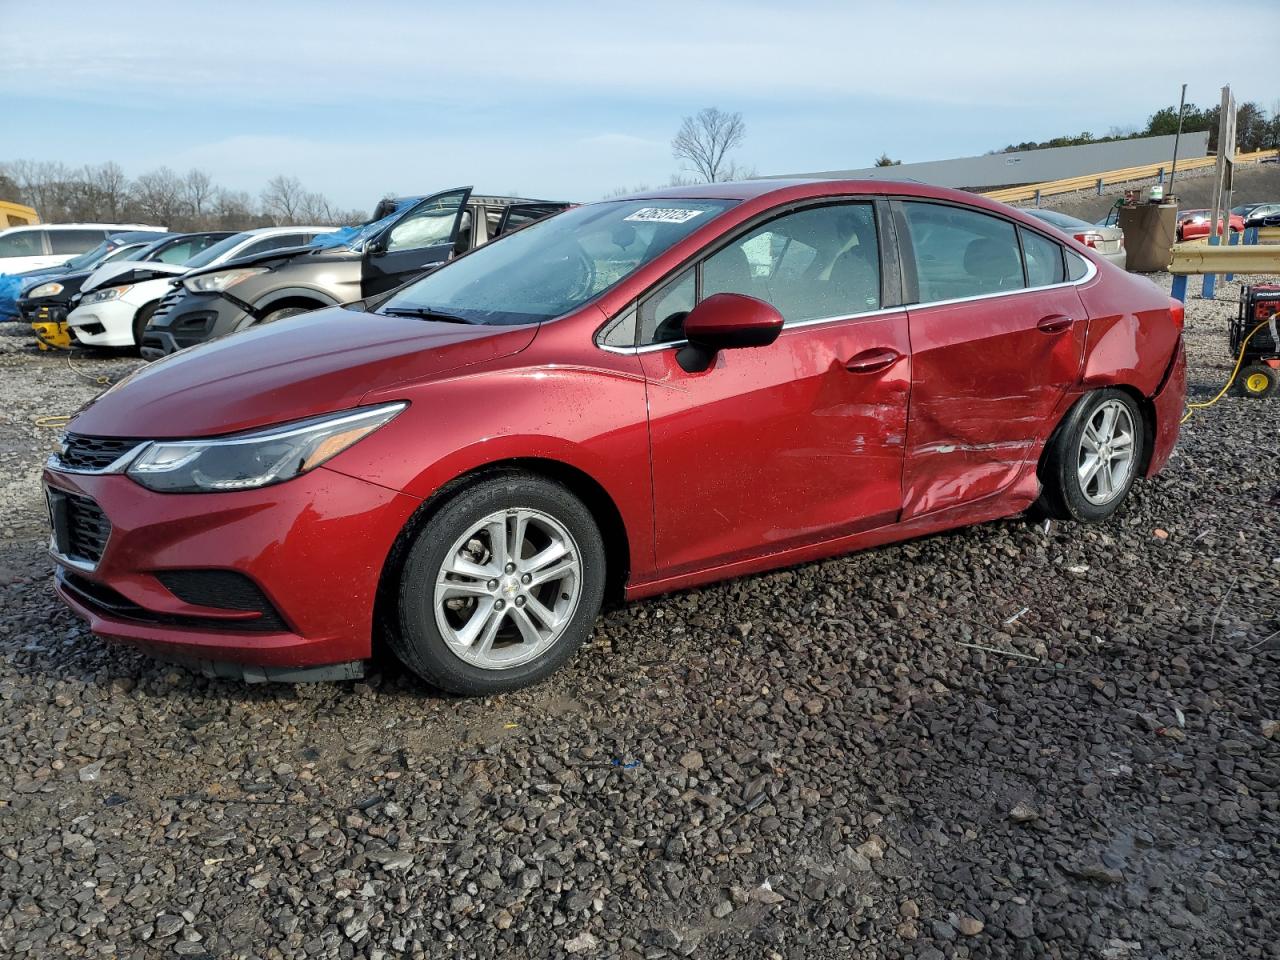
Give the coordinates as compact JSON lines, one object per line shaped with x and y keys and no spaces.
{"x":1093,"y":458}
{"x":500,"y":586}
{"x":1258,"y":381}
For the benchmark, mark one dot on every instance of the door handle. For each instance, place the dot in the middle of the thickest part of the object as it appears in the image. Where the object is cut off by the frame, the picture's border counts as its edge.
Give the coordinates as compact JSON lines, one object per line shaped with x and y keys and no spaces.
{"x":873,"y":360}
{"x":1055,"y":323}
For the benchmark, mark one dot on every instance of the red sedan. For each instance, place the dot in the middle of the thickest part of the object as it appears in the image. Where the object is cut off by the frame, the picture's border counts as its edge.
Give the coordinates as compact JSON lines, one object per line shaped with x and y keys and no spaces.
{"x":1194,"y":224}
{"x":632,"y":397}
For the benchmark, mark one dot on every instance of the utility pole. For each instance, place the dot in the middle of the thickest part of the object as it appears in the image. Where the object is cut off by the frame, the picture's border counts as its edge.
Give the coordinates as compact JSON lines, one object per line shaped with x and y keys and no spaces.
{"x":1173,"y":169}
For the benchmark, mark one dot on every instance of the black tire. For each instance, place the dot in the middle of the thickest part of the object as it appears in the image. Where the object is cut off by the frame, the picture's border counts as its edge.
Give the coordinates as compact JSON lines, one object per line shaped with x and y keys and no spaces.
{"x":140,"y":321}
{"x":414,"y":635}
{"x":1258,"y":381}
{"x":1062,"y":494}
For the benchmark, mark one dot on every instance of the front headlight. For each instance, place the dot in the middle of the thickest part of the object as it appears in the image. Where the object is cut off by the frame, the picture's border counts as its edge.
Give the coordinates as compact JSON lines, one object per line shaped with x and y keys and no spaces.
{"x":45,"y":290}
{"x":248,"y":460}
{"x":107,"y":293}
{"x":222,"y":280}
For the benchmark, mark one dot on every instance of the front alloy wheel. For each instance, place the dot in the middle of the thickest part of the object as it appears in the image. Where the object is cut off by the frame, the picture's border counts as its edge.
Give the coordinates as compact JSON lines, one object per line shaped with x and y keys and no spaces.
{"x":508,"y":588}
{"x":499,"y":586}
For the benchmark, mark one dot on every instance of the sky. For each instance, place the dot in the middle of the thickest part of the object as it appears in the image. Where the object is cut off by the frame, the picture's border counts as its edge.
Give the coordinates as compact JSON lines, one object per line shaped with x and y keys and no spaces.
{"x":572,"y":100}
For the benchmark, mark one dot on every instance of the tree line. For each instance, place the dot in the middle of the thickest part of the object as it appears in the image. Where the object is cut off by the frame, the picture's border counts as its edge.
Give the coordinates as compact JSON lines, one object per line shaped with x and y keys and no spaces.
{"x":103,"y":193}
{"x":1255,"y":129}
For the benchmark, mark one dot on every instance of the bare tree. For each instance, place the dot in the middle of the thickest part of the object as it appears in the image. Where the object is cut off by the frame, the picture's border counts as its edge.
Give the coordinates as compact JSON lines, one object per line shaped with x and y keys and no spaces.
{"x":110,"y":189}
{"x":233,"y":210}
{"x":157,"y":197}
{"x":197,"y":192}
{"x":705,"y":139}
{"x":283,"y":199}
{"x":181,"y":202}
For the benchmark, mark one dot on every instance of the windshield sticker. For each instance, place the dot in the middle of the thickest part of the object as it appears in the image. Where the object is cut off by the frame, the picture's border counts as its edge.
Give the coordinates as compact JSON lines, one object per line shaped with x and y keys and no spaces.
{"x":664,"y":215}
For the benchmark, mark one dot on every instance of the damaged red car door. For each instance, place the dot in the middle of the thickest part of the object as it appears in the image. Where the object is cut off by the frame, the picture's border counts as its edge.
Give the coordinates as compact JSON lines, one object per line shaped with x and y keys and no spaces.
{"x":997,"y":337}
{"x":790,"y":443}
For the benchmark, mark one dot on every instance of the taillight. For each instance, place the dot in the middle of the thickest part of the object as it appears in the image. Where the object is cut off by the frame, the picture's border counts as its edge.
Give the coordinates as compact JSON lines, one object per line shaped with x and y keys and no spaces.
{"x":1089,"y":239}
{"x":1177,"y":312}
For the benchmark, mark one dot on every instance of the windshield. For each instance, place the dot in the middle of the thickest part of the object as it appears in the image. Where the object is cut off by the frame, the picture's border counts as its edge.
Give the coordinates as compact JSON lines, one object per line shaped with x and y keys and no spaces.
{"x":556,"y":265}
{"x":355,"y":238}
{"x":88,"y":259}
{"x":210,"y":254}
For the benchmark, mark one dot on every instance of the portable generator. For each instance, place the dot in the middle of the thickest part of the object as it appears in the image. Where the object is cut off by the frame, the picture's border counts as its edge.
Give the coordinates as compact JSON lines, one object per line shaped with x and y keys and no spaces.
{"x":50,"y":328}
{"x":1255,"y":339}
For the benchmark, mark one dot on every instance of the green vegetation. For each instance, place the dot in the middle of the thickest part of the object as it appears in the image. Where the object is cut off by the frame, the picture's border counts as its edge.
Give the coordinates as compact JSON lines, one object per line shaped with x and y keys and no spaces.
{"x":1255,"y":130}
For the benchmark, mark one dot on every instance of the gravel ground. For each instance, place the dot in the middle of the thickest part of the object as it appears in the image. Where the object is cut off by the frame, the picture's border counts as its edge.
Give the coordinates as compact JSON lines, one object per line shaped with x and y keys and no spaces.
{"x":813,"y":763}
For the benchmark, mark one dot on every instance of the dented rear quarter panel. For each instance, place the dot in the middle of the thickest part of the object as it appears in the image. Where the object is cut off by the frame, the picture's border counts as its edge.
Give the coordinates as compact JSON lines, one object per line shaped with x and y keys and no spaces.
{"x":1132,"y":336}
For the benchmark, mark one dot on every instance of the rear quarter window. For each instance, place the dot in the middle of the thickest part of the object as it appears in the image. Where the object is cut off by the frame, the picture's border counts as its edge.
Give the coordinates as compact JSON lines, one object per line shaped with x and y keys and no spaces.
{"x":1077,"y":266}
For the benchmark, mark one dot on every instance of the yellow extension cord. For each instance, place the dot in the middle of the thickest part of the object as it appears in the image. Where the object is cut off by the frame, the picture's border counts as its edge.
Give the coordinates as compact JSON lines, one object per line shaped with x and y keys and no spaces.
{"x":1193,"y":407}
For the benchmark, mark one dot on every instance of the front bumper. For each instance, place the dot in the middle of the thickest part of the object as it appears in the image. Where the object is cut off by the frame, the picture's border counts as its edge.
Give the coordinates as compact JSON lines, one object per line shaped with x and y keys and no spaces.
{"x":184,"y":319}
{"x":106,"y":324}
{"x":313,"y":546}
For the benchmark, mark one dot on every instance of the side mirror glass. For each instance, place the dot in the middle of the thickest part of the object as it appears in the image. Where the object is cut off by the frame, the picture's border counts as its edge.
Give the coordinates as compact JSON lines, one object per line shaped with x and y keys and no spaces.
{"x":726,"y":321}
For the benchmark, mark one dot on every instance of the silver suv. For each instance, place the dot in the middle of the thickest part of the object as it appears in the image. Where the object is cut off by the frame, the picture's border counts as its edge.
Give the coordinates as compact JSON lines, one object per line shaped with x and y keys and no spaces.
{"x":406,"y":238}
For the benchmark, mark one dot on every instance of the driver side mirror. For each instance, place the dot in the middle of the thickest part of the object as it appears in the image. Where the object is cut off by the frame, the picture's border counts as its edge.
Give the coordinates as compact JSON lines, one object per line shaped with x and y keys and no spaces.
{"x":375,"y":246}
{"x":725,"y":321}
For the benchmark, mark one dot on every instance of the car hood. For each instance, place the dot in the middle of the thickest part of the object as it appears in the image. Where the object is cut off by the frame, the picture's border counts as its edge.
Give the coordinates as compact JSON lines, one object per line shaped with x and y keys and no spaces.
{"x":313,"y":255}
{"x":317,"y":363}
{"x":131,"y":271}
{"x":67,"y":280}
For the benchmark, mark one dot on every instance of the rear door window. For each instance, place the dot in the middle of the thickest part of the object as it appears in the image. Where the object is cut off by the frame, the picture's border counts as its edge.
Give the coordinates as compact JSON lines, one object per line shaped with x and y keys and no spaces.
{"x":24,"y":243}
{"x":962,"y":253}
{"x":64,"y":242}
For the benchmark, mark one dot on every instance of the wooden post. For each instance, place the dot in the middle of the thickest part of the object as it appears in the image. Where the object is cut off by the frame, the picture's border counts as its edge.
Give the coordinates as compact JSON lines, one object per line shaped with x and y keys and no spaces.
{"x":1221,"y":181}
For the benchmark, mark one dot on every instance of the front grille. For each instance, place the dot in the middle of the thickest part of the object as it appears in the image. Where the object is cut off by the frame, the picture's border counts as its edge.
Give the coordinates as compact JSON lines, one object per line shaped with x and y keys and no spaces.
{"x":224,"y":589}
{"x":165,"y":305}
{"x":87,"y":528}
{"x":93,"y":453}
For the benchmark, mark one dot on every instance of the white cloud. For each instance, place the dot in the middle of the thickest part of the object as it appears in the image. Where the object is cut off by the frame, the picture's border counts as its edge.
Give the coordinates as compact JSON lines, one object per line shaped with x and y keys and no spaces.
{"x":344,"y":53}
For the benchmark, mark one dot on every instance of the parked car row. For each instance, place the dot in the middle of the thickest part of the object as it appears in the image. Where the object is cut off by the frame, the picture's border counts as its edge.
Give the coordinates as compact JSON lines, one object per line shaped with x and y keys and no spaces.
{"x":413,"y":235}
{"x":1264,"y":214}
{"x":161,"y":292}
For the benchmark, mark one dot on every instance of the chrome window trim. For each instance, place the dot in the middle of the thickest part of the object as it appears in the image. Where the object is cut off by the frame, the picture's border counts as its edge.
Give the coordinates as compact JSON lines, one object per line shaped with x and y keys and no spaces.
{"x":1091,"y":271}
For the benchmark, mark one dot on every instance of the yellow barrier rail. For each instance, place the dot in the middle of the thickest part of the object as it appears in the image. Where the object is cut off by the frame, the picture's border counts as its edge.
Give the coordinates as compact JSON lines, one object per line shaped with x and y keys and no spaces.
{"x":1123,"y":175}
{"x":1201,"y":258}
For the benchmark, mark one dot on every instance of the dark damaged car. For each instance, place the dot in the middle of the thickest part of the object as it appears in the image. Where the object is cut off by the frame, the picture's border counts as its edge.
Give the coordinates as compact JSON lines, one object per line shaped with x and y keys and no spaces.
{"x":406,"y":238}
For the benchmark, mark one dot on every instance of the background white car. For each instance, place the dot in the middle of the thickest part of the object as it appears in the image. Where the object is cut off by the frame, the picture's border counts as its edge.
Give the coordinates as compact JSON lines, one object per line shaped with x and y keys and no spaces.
{"x":118,"y":298}
{"x":49,"y":244}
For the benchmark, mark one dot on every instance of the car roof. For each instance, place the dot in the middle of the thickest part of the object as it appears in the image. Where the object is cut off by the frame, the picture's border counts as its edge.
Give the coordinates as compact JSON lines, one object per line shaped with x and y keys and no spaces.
{"x":770,"y":193}
{"x":137,"y":236}
{"x":271,"y":231}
